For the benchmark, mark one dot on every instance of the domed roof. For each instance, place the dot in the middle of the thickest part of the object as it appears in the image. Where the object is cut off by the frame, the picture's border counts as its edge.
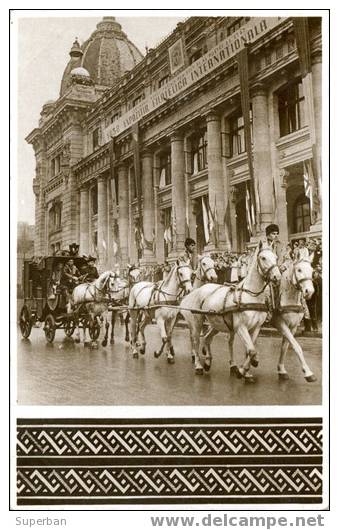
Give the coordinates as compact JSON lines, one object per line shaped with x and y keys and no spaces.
{"x":79,"y":70}
{"x":106,"y":55}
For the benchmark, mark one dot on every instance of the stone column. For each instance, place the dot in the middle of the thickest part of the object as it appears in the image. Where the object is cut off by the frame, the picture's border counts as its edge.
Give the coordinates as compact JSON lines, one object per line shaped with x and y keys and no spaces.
{"x":84,"y":220}
{"x":262,"y":156}
{"x":158,"y":218}
{"x":148,"y":204}
{"x":132,"y":250}
{"x":216,"y":192}
{"x":102,"y":222}
{"x":123,"y":213}
{"x":317,"y":101}
{"x":178,"y":191}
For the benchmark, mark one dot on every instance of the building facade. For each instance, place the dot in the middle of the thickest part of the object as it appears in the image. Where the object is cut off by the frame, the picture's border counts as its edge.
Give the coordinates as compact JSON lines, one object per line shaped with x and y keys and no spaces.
{"x":140,"y":152}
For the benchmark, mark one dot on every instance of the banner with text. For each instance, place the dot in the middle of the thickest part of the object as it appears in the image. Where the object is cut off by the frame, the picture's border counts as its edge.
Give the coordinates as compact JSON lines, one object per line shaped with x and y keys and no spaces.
{"x":220,"y":54}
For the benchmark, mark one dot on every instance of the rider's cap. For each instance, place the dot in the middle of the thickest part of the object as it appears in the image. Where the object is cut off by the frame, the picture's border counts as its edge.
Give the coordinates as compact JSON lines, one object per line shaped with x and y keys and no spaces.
{"x":189,"y":241}
{"x":271,"y":228}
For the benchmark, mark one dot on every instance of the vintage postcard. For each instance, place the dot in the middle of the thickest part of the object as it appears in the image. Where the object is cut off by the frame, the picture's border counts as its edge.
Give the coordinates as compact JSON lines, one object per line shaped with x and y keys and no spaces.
{"x":169,"y":338}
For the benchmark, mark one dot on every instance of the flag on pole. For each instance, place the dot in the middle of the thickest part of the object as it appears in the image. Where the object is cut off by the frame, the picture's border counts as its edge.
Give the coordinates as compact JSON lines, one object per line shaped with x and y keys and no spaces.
{"x":250,"y":214}
{"x":205,"y":220}
{"x":242,"y":60}
{"x":113,"y":178}
{"x":310,"y":189}
{"x":227,"y":225}
{"x":174,"y":226}
{"x":302,"y":36}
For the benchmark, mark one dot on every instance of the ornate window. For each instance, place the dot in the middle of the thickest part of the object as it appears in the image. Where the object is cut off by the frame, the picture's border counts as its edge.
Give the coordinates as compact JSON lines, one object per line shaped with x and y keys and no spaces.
{"x":165,"y":169}
{"x":199,"y":152}
{"x":95,"y":138}
{"x":55,"y":166}
{"x":54,"y":217}
{"x":237,"y":134}
{"x":291,"y":105}
{"x":137,"y":100}
{"x":302,"y":215}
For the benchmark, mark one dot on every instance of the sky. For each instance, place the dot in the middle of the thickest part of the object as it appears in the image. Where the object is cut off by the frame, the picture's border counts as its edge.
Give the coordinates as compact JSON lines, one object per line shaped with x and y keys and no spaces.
{"x":43,"y":46}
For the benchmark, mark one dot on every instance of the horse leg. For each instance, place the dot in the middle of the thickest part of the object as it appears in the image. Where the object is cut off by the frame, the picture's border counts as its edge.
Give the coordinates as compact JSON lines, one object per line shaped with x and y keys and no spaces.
{"x":289,"y":335}
{"x":282,"y":372}
{"x":134,"y":318}
{"x":127,"y":319}
{"x":195,"y":323}
{"x":104,"y":342}
{"x":233,"y":366}
{"x":87,"y":342}
{"x":169,"y":324}
{"x":245,"y":336}
{"x":113,"y":317}
{"x":142,"y":325}
{"x":206,"y":347}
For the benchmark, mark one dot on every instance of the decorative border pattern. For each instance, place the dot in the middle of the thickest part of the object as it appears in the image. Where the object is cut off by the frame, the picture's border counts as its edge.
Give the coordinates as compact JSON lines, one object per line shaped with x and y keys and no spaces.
{"x":148,"y":461}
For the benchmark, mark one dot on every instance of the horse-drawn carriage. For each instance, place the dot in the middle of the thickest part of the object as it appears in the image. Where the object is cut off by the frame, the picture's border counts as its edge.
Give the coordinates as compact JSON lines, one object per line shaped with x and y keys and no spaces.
{"x":46,"y":299}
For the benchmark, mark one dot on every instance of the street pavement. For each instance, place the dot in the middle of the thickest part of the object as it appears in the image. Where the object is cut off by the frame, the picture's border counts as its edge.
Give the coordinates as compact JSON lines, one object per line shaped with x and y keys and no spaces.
{"x":65,"y":373}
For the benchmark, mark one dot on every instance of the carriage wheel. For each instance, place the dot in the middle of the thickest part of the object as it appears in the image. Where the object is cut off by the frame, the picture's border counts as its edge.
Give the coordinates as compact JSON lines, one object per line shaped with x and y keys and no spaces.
{"x":69,"y":327}
{"x":25,"y":322}
{"x":49,"y":328}
{"x":94,"y":329}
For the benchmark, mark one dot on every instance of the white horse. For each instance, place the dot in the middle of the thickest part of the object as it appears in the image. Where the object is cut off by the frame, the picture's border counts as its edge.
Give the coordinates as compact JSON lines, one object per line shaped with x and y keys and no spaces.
{"x":205,"y":271}
{"x":144,"y":295}
{"x":296,"y":281}
{"x":240,"y":308}
{"x":134,"y":276}
{"x":93,"y":297}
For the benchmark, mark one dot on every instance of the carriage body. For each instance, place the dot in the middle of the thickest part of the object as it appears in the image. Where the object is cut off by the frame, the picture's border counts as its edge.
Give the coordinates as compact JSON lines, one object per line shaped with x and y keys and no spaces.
{"x":40,"y":303}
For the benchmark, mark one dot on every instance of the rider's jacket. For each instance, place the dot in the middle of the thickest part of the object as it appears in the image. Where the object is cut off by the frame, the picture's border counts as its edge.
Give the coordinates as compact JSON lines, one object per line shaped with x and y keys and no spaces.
{"x":69,"y":272}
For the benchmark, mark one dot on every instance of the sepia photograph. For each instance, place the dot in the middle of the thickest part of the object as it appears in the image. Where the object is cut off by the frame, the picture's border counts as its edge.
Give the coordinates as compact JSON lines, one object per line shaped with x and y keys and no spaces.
{"x":169,"y":229}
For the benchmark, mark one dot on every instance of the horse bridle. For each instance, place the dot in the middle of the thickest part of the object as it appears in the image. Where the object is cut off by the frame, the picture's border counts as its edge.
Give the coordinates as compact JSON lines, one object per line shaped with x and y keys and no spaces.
{"x":264,"y":273}
{"x":205,"y":271}
{"x":296,"y":282}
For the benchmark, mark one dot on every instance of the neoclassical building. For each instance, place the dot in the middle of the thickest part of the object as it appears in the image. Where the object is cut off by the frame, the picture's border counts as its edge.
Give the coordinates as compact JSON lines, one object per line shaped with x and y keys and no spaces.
{"x":139,"y":152}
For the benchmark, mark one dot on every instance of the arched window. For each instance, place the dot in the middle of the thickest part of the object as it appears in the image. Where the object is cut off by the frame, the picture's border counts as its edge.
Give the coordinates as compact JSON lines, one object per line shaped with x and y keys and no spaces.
{"x":302,"y":214}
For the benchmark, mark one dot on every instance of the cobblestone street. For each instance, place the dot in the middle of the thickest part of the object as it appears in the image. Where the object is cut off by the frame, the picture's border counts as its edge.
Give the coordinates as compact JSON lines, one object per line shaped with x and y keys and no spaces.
{"x":65,"y":373}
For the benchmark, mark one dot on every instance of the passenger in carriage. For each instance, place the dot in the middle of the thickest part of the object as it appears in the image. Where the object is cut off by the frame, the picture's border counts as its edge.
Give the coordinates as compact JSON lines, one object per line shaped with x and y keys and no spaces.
{"x":91,"y":270}
{"x":70,"y":276}
{"x":56,"y":280}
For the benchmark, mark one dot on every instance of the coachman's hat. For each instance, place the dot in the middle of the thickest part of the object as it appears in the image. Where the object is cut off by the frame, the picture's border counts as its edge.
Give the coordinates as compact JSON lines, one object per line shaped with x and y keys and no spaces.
{"x":271,"y":228}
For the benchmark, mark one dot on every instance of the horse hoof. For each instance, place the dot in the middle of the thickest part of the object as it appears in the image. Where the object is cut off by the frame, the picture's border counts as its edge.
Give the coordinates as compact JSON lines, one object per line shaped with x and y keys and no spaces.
{"x":283,"y":377}
{"x":207,"y":367}
{"x":135,"y":355}
{"x":199,"y":371}
{"x":240,"y":373}
{"x":77,"y":341}
{"x":311,"y":378}
{"x":142,"y":351}
{"x":104,"y":343}
{"x":126,"y":339}
{"x":112,"y":341}
{"x":234,"y":372}
{"x":193,"y":359}
{"x":249,"y":379}
{"x":254,"y":362}
{"x":170,"y":360}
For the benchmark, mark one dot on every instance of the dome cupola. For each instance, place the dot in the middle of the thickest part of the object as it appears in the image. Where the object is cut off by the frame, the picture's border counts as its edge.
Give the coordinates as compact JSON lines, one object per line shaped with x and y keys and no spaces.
{"x":107,"y":55}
